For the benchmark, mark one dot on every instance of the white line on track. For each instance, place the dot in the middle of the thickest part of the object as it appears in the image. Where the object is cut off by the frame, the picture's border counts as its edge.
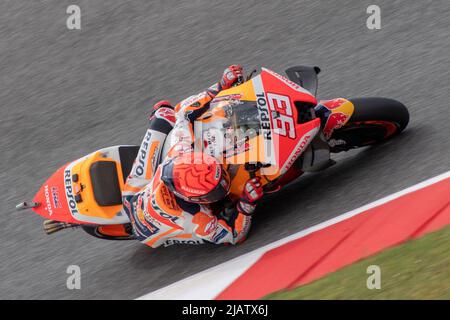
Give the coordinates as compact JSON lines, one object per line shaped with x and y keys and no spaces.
{"x":210,"y":283}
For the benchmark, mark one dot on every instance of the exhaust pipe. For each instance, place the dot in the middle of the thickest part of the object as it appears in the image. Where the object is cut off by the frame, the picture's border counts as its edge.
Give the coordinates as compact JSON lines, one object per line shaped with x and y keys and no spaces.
{"x":52,"y":226}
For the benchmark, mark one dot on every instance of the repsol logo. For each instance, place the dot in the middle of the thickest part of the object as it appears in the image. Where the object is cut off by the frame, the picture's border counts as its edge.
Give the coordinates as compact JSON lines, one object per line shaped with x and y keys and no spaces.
{"x":264,"y":116}
{"x":170,"y":242}
{"x":69,"y":192}
{"x":143,"y":154}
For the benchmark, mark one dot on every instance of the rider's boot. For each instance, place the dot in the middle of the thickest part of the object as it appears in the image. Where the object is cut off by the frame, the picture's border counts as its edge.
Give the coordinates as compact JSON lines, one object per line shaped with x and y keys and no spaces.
{"x":162,"y":104}
{"x":159,"y":105}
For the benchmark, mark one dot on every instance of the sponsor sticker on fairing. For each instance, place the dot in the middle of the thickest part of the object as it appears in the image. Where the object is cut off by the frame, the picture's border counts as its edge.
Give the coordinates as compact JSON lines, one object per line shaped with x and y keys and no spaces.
{"x":69,"y":192}
{"x":55,"y":197}
{"x":47,"y":200}
{"x":264,"y":118}
{"x":299,"y":148}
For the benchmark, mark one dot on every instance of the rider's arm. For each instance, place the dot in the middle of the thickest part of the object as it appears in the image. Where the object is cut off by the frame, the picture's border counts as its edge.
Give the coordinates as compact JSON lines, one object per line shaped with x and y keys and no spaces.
{"x":232,"y":223}
{"x":188,"y":110}
{"x":219,"y":231}
{"x":194,"y":106}
{"x":145,"y":164}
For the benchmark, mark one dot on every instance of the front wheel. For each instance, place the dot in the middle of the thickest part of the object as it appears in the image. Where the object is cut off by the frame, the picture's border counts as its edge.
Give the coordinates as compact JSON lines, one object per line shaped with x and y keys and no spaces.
{"x":374,"y":120}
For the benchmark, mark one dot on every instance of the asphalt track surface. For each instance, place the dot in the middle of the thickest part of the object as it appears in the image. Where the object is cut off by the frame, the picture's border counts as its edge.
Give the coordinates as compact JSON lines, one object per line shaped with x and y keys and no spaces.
{"x":66,"y":93}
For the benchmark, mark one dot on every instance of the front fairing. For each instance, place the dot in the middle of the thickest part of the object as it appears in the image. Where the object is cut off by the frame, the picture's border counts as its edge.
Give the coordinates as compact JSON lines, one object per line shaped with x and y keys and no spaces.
{"x":266,"y":110}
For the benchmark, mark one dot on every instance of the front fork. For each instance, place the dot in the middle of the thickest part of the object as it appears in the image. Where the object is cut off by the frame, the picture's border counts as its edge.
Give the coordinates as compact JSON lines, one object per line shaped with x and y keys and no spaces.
{"x":316,"y":157}
{"x":333,"y":114}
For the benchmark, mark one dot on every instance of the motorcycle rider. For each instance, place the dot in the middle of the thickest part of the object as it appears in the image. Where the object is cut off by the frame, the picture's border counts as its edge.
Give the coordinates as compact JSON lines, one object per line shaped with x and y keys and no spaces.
{"x":183,"y":197}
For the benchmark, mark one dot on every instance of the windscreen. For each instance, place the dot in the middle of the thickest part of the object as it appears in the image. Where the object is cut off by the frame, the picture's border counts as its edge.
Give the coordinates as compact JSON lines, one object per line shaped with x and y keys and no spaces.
{"x":227,"y":126}
{"x":242,"y":115}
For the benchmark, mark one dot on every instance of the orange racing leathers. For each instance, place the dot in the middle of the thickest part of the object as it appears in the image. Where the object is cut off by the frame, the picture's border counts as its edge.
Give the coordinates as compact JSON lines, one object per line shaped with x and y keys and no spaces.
{"x":156,"y":214}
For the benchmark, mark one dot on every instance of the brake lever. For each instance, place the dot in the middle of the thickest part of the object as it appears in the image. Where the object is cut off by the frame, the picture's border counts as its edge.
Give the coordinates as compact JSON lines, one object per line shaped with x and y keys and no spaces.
{"x":251,"y":75}
{"x":243,"y":80}
{"x":251,"y":168}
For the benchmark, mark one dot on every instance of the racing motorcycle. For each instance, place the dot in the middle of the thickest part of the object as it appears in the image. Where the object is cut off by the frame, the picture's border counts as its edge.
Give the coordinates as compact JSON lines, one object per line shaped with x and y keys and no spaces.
{"x":287,"y":132}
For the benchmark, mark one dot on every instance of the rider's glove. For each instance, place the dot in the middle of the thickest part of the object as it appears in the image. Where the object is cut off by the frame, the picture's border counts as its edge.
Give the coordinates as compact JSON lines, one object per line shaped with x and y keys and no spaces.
{"x":233,"y":74}
{"x":253,"y":191}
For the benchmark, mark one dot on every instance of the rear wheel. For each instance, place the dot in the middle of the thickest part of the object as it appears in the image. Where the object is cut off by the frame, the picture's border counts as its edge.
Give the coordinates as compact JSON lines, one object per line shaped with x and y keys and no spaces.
{"x":374,"y":120}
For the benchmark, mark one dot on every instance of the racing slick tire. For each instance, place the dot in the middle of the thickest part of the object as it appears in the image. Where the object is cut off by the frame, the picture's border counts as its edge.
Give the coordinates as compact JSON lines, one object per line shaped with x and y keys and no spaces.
{"x":374,"y":120}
